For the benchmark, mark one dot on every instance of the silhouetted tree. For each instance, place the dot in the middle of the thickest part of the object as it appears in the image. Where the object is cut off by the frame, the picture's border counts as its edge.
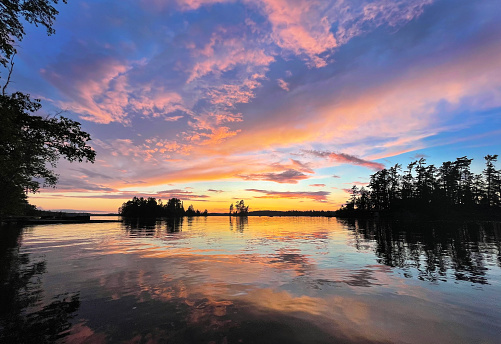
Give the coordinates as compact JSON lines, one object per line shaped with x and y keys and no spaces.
{"x":490,"y":174}
{"x":14,"y":14}
{"x":174,"y":207}
{"x":30,"y":145}
{"x":241,"y":209}
{"x":426,"y":188}
{"x":191,"y":211}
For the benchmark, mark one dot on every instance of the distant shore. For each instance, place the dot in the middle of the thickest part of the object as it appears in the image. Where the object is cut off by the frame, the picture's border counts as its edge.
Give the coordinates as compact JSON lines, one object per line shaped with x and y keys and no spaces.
{"x":35,"y":221}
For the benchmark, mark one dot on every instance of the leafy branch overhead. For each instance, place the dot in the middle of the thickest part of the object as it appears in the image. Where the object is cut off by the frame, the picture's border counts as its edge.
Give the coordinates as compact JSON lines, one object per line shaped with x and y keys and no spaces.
{"x":30,"y":144}
{"x":12,"y":15}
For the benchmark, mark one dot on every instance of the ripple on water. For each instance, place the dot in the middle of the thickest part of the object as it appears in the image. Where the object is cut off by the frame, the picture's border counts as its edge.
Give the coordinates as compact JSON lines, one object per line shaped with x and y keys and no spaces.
{"x":216,"y":278}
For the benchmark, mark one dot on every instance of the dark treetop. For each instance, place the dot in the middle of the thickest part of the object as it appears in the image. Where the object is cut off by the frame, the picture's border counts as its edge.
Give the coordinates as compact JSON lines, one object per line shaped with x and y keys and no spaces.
{"x":448,"y":190}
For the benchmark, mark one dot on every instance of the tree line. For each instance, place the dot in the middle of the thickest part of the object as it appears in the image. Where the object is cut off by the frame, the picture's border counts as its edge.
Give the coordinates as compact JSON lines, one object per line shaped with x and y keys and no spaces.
{"x":422,"y":187}
{"x":151,"y":208}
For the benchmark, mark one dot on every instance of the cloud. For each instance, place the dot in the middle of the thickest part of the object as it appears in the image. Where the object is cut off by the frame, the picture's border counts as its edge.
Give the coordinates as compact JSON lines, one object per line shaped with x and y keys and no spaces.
{"x":201,"y":87}
{"x":217,"y":135}
{"x":357,"y":18}
{"x":345,"y":159}
{"x":92,"y":174}
{"x":283,"y":85}
{"x":290,"y":176}
{"x":193,"y":4}
{"x":216,"y":191}
{"x":69,"y":184}
{"x":95,"y":86}
{"x":123,"y":195}
{"x":419,"y":156}
{"x":299,"y":27}
{"x":224,"y":53}
{"x":319,"y":196}
{"x":317,"y":185}
{"x":358,"y":183}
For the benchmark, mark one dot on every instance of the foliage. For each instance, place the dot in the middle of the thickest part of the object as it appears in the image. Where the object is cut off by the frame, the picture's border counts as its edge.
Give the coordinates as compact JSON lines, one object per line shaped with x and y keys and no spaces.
{"x":452,"y":186}
{"x":13,"y":14}
{"x":30,"y":147}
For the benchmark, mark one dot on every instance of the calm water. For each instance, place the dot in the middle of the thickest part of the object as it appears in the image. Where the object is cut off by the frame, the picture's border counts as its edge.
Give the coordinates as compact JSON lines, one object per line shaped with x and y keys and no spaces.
{"x":255,"y":280}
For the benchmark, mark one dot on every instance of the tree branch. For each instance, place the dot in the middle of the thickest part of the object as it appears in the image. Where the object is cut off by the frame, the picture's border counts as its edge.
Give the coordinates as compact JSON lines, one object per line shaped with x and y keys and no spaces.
{"x":11,"y":68}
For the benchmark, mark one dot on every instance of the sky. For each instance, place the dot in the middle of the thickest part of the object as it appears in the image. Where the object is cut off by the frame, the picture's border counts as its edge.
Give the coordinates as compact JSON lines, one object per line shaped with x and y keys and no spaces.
{"x":284,"y":104}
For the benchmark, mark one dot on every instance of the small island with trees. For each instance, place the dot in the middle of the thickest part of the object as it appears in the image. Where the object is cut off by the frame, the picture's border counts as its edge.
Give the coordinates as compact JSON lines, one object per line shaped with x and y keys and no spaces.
{"x":151,"y":208}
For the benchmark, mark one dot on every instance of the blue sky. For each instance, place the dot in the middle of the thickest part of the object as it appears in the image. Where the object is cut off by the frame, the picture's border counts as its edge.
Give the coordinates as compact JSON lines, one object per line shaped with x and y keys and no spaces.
{"x":281,"y":103}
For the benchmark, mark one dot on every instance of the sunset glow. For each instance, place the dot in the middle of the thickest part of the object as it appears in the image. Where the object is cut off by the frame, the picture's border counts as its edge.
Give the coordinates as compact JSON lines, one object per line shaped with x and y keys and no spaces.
{"x":283,"y":103}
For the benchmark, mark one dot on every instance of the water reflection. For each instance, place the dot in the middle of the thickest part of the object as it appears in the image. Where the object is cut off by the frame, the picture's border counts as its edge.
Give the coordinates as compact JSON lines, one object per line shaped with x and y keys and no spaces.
{"x":252,"y":280}
{"x":175,"y":224}
{"x":238,"y":223}
{"x":435,"y":251}
{"x":153,"y":227}
{"x":24,"y":316}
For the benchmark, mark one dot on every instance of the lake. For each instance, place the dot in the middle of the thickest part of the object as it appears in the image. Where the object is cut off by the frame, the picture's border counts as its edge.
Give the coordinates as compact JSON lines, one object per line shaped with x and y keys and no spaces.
{"x":251,"y":280}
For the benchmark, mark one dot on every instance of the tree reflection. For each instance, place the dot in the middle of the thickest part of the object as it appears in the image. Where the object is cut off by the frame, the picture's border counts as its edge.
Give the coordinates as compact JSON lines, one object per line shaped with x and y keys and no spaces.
{"x":174,"y":224}
{"x":141,"y":227}
{"x":149,"y":227}
{"x":438,"y":251}
{"x":239,"y":223}
{"x":23,"y":316}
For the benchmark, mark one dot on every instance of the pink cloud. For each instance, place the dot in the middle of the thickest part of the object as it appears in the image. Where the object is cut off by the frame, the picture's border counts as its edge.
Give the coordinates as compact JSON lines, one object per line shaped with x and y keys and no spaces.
{"x":317,"y":185}
{"x":346,"y":159}
{"x":100,"y":92}
{"x":358,"y":183}
{"x":300,"y":27}
{"x":224,"y":54}
{"x":193,"y":4}
{"x":231,"y":94}
{"x":173,"y":118}
{"x":156,"y":101}
{"x":104,"y":79}
{"x":283,"y":85}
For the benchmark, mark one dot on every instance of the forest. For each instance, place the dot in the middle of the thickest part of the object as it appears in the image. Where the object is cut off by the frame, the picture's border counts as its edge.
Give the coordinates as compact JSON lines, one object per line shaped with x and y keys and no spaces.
{"x":450,"y":189}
